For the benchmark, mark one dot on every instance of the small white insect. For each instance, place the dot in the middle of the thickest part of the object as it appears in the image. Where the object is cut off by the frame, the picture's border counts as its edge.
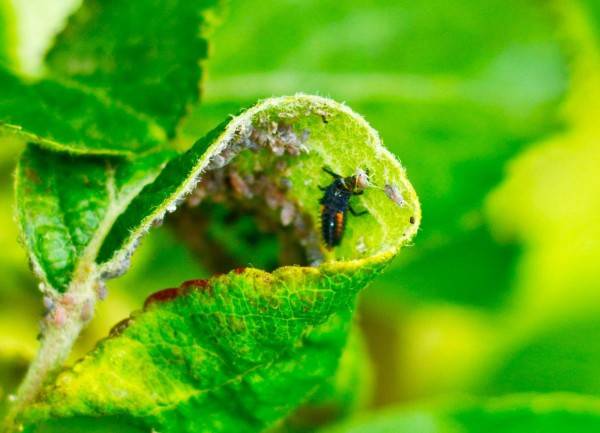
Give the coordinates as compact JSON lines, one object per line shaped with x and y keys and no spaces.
{"x":48,"y":303}
{"x":59,"y":316}
{"x":101,"y":291}
{"x":288,"y":211}
{"x":394,"y":194}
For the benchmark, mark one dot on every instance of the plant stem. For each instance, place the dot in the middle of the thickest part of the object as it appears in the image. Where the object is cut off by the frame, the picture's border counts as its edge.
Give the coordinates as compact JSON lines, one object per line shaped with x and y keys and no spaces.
{"x":61,"y":327}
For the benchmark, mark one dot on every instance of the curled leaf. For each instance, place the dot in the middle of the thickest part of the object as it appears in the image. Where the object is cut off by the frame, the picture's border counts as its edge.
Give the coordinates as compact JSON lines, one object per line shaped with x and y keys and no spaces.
{"x":240,"y":351}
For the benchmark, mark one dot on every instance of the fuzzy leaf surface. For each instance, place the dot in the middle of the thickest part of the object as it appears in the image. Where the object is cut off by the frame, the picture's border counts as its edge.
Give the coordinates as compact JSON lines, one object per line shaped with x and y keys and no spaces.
{"x":234,"y":354}
{"x":320,"y":126}
{"x":66,"y":204}
{"x":240,"y":351}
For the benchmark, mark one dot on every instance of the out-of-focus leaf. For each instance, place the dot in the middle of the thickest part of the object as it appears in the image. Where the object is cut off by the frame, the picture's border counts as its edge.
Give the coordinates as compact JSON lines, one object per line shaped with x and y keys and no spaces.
{"x":120,"y":77}
{"x":257,"y":344}
{"x":591,"y":9}
{"x":16,"y":277}
{"x":142,"y":55}
{"x":549,"y":203}
{"x":12,"y":369}
{"x":19,"y":314}
{"x":61,"y":115}
{"x":565,"y":358}
{"x":459,"y":98}
{"x":35,"y":26}
{"x":552,"y":413}
{"x":381,"y":36}
{"x":550,"y":199}
{"x":7,"y":53}
{"x":547,"y":206}
{"x":490,"y":269}
{"x":559,"y":275}
{"x":19,"y":306}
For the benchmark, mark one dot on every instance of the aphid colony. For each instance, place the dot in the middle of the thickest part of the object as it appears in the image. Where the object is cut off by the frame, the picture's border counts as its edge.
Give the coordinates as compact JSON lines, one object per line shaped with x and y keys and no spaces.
{"x":280,"y":139}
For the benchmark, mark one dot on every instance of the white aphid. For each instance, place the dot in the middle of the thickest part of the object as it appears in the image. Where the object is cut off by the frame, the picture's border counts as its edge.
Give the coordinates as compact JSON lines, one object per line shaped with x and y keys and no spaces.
{"x":394,"y":194}
{"x":287,"y":214}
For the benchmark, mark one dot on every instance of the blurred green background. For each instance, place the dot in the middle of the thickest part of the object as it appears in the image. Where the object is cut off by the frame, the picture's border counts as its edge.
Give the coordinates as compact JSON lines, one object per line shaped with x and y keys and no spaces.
{"x":493,"y":106}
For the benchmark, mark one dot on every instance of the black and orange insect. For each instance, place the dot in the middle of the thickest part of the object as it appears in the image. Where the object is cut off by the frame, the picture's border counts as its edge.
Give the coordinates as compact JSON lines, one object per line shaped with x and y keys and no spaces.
{"x":335,"y":204}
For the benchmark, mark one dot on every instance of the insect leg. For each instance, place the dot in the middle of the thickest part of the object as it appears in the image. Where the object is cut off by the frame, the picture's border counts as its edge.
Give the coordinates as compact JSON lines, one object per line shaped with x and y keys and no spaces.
{"x":331,"y":172}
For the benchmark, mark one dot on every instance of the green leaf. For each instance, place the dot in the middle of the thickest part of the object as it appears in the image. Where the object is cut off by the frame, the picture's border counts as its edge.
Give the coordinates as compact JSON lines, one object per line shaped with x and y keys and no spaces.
{"x":7,"y":36}
{"x":344,"y":393}
{"x":119,"y":79}
{"x":549,"y":203}
{"x":235,"y":355}
{"x":257,"y":344}
{"x":592,"y":9}
{"x":312,"y":128}
{"x":62,"y":115}
{"x":67,"y":204}
{"x":457,"y":113}
{"x":562,"y":357}
{"x":143,"y":55}
{"x":551,"y":413}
